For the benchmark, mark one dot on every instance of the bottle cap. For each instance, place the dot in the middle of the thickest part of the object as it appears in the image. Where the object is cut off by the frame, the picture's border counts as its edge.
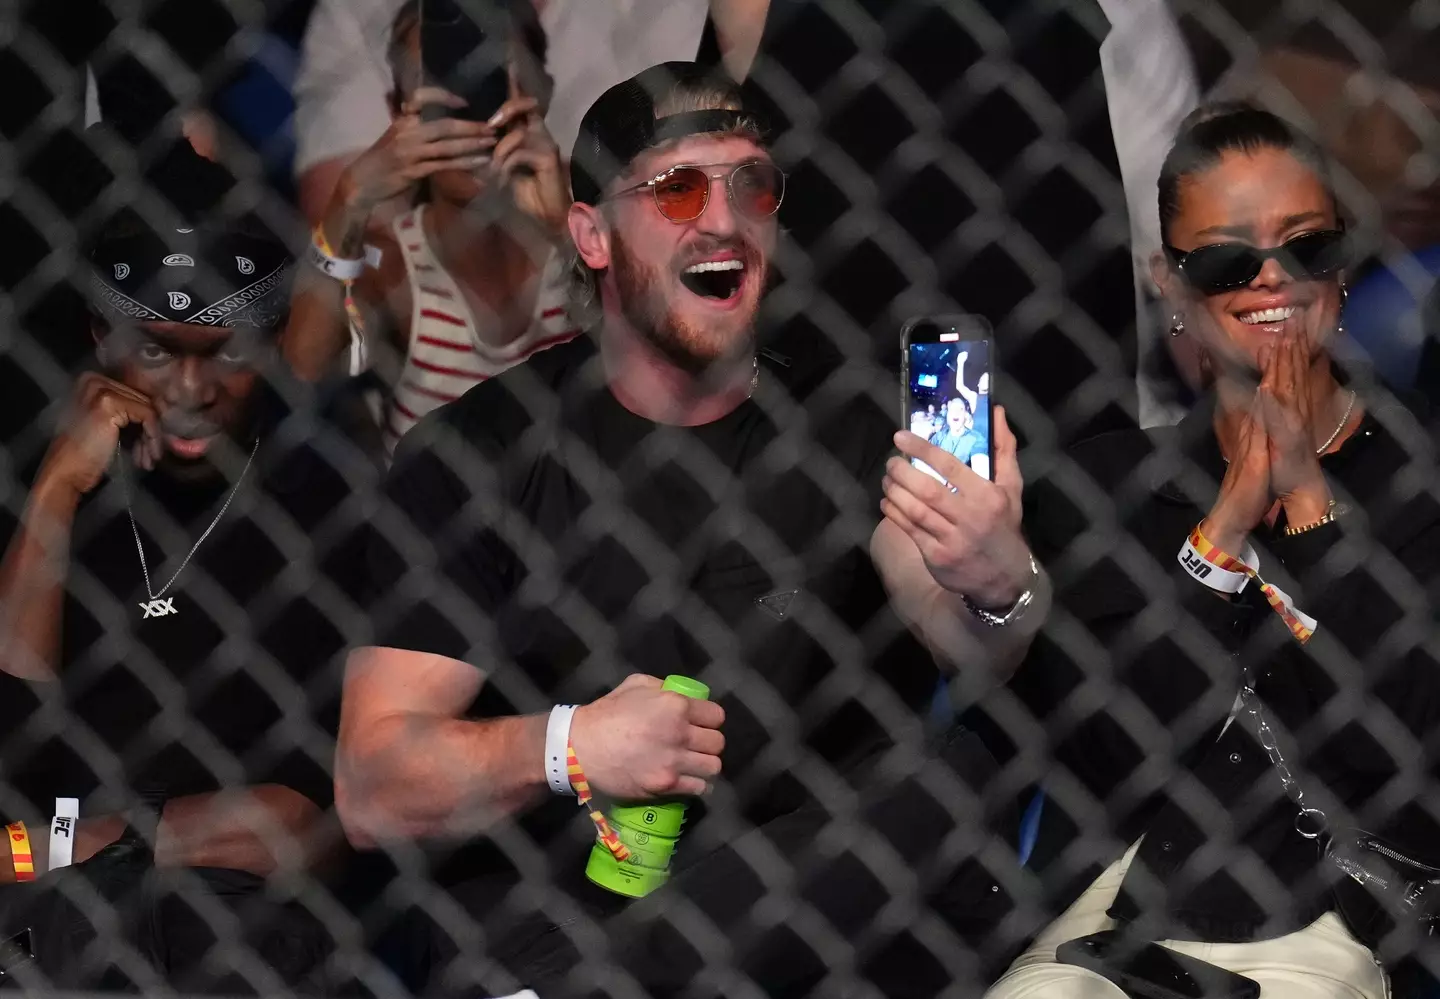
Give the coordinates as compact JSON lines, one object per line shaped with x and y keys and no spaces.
{"x":688,"y":687}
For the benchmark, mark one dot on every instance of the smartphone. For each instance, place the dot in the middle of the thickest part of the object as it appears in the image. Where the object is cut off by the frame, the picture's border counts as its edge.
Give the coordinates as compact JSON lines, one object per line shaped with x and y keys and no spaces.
{"x":1150,"y":971}
{"x":948,"y":372}
{"x":465,"y":48}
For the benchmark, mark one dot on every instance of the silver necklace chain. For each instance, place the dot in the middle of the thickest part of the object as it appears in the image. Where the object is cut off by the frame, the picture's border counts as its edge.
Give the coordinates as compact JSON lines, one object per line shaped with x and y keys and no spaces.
{"x":1349,"y":410}
{"x":140,"y":549}
{"x":1338,"y":427}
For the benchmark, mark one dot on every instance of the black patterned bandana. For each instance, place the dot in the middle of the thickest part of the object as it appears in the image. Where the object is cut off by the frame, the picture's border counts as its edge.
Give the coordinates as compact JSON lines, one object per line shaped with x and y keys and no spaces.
{"x":204,"y":276}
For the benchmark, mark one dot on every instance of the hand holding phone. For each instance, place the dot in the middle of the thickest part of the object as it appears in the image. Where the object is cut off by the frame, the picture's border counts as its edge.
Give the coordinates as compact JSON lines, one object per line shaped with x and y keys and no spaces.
{"x":420,"y":143}
{"x":946,"y":369}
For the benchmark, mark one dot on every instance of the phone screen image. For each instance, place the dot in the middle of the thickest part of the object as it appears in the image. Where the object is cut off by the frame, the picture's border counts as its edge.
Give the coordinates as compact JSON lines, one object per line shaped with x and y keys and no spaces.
{"x":948,"y":400}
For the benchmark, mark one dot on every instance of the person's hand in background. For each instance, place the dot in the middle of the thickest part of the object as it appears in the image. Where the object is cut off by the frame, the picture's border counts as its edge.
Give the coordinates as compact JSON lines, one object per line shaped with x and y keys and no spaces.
{"x":410,"y":150}
{"x":528,"y":161}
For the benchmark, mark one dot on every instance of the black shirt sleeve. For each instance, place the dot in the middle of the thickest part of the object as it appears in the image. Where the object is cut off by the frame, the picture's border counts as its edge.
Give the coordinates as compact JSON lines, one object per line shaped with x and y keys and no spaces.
{"x":437,"y":569}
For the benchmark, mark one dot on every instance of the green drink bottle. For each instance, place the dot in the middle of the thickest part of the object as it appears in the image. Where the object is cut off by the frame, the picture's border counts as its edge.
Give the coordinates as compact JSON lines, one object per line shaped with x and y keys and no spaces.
{"x":649,"y":830}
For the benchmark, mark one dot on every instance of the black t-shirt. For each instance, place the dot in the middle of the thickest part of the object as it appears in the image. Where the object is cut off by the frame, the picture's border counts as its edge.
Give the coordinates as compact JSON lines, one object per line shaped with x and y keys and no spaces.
{"x":240,"y":685}
{"x":545,"y":534}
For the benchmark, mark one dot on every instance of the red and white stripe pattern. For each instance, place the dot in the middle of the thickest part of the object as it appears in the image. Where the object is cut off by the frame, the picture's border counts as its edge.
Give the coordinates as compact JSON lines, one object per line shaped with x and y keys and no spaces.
{"x":446,"y":357}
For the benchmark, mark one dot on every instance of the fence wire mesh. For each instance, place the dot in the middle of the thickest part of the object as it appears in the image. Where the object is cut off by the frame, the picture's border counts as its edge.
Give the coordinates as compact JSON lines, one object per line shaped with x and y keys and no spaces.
{"x":890,"y":821}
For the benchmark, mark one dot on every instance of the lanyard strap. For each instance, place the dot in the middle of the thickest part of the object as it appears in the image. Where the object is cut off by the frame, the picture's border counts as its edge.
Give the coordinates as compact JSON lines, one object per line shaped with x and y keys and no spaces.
{"x":1225,"y":573}
{"x":20,"y":853}
{"x":604,"y":832}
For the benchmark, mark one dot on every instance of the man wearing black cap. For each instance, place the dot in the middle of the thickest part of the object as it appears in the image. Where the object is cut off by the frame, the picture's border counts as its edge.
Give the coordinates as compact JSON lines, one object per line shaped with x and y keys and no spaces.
{"x":163,"y":590}
{"x":659,"y":497}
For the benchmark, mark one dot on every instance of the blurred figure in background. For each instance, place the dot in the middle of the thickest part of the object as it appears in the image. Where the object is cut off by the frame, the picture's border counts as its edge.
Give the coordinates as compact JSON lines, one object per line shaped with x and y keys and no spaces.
{"x":469,"y":281}
{"x":957,"y":435}
{"x":1150,"y":86}
{"x":1373,"y":119}
{"x":344,"y":79}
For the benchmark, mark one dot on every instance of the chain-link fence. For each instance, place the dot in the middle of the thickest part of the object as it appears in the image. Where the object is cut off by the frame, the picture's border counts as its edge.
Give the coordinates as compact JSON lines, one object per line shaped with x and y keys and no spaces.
{"x":911,"y":797}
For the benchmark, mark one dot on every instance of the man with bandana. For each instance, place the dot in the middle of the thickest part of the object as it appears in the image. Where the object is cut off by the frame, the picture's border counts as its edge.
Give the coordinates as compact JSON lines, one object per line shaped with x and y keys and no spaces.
{"x":662,"y":496}
{"x":169,"y":614}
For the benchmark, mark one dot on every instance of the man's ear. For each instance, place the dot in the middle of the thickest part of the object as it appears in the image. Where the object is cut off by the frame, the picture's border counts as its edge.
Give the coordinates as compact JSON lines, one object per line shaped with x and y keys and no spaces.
{"x":591,"y":233}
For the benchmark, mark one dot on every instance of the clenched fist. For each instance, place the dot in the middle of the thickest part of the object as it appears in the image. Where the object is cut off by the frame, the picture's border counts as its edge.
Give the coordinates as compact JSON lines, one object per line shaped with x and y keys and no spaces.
{"x":639,"y":741}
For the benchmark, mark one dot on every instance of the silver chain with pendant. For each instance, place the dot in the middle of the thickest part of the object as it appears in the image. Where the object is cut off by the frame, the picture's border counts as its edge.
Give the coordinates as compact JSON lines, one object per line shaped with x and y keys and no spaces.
{"x":150,"y":608}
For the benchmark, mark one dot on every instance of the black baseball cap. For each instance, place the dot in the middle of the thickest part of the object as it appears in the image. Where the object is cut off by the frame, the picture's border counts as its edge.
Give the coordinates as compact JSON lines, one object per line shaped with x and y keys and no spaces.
{"x":623,"y":123}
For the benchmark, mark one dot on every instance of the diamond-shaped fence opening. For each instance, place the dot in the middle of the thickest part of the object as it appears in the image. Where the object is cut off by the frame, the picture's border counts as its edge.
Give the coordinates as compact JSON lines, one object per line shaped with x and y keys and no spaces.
{"x":297,"y":677}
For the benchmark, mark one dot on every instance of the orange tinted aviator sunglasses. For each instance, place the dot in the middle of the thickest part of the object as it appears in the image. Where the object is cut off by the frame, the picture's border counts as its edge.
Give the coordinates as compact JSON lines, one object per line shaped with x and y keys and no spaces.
{"x":681,"y":193}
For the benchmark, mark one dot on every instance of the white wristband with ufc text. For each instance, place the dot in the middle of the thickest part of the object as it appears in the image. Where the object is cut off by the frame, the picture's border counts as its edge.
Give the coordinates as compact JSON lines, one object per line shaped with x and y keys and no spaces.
{"x":62,"y":832}
{"x":557,"y":748}
{"x":1223,"y":576}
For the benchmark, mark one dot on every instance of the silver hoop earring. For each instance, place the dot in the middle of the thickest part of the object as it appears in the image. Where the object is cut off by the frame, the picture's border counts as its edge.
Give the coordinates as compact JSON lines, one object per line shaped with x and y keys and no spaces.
{"x":1177,"y":324}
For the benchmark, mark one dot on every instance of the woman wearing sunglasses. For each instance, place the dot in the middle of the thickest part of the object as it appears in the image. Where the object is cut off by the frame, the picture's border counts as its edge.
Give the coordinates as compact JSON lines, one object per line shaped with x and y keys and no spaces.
{"x":1236,"y":671}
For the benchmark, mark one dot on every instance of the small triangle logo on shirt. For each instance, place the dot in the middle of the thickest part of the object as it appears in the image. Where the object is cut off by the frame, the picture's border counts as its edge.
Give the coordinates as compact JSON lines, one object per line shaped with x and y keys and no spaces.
{"x":777,"y":605}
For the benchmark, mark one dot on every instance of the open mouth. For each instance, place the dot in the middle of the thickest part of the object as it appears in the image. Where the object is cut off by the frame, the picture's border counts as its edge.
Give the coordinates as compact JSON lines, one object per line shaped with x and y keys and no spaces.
{"x":1267,"y":317}
{"x":717,"y":280}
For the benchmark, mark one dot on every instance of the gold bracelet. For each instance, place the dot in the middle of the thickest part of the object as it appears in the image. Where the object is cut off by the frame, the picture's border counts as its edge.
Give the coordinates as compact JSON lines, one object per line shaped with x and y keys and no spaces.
{"x":1332,"y":514}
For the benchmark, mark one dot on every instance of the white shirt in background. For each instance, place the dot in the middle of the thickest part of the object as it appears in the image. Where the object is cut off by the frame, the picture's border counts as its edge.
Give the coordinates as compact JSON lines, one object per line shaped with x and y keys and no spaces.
{"x":593,"y":44}
{"x":1150,"y":87}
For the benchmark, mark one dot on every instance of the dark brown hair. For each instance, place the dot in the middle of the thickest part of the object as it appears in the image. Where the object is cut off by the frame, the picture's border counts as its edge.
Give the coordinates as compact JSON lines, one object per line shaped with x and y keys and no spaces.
{"x":1211,"y":131}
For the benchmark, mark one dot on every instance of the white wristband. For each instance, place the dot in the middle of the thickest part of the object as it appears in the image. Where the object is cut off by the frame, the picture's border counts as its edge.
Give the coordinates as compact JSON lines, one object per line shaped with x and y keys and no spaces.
{"x":557,"y":748}
{"x":62,"y":832}
{"x":339,"y":268}
{"x":1211,"y":575}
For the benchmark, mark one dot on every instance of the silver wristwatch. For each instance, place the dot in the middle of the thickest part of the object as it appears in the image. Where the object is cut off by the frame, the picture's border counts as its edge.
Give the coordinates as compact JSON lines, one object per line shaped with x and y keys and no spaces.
{"x":1017,"y":609}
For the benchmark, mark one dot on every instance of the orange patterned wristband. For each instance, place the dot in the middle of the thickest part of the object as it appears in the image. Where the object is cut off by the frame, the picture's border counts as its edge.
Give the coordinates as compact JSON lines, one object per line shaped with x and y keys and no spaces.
{"x":20,"y":853}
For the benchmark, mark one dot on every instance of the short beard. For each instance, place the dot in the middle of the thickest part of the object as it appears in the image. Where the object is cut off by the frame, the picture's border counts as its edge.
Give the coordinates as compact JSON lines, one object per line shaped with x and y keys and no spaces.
{"x":645,"y":308}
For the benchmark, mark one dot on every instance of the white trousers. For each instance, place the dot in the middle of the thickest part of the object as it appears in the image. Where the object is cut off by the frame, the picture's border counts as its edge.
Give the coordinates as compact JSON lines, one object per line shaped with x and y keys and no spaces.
{"x":1321,"y":961}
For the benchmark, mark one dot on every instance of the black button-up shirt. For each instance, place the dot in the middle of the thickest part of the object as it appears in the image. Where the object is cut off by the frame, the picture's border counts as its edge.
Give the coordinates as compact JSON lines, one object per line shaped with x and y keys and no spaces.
{"x":1139,"y":666}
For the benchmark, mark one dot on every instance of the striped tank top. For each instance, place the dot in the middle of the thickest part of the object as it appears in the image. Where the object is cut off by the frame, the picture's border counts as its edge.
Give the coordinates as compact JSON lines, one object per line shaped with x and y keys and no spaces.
{"x":445,"y":357}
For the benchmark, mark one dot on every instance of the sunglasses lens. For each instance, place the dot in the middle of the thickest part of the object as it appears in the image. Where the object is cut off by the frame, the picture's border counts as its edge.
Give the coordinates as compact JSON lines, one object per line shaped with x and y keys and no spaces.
{"x":1317,"y":254}
{"x":758,"y":189}
{"x":682,"y":194}
{"x":1222,"y":266}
